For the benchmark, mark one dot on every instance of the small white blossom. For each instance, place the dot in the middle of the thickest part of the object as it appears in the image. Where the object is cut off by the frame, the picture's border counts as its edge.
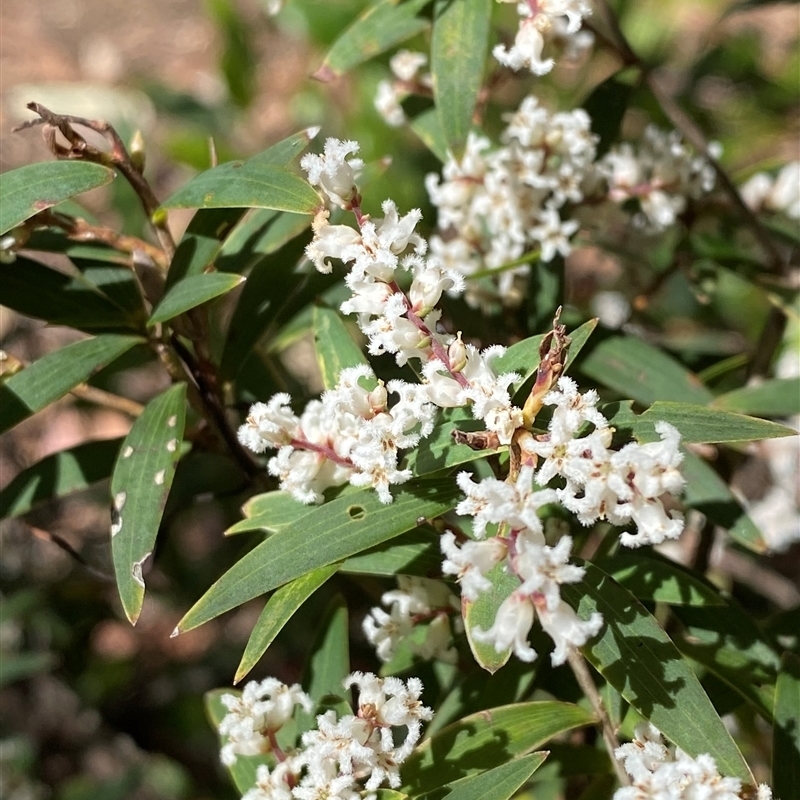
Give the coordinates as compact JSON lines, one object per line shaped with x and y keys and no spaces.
{"x":781,"y":193}
{"x":333,"y":172}
{"x":471,"y":561}
{"x":511,"y":627}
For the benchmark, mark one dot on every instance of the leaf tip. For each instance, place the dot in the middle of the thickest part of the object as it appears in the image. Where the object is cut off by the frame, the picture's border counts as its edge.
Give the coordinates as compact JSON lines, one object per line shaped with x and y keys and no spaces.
{"x":176,"y":632}
{"x":311,"y":133}
{"x":324,"y":74}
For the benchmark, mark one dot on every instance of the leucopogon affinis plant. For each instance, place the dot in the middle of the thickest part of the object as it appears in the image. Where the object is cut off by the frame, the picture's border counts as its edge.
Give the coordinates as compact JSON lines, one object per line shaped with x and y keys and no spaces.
{"x":522,"y":502}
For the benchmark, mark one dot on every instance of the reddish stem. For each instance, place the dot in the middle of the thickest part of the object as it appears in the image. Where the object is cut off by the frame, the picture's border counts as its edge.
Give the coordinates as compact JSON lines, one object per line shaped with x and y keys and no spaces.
{"x":328,"y":452}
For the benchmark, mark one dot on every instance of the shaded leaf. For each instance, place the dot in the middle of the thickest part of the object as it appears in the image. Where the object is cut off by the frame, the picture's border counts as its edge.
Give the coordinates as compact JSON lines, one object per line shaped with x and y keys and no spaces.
{"x":279,"y":609}
{"x":379,"y":28}
{"x":779,"y":397}
{"x":428,"y":126}
{"x":193,"y":291}
{"x":33,"y":188}
{"x":338,"y":529}
{"x":139,"y":488}
{"x":245,"y":184}
{"x":271,"y":512}
{"x":640,"y":371}
{"x":336,"y":348}
{"x":413,"y":553}
{"x":638,"y":659}
{"x":786,"y":730}
{"x":19,"y":666}
{"x":606,"y":107}
{"x":481,"y":741}
{"x":58,"y":475}
{"x":459,"y":45}
{"x":55,"y":374}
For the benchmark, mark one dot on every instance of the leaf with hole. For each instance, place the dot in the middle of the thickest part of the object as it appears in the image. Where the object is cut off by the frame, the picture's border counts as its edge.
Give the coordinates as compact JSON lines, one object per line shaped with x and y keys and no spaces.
{"x":139,"y":488}
{"x":331,"y":532}
{"x":55,"y":374}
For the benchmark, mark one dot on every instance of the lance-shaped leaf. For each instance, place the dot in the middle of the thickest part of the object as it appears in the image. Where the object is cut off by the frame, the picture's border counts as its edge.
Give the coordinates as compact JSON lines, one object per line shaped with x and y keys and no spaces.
{"x":193,"y":291}
{"x":658,"y":580}
{"x":270,"y":512}
{"x":428,"y":127}
{"x":709,"y":494}
{"x":483,"y":740}
{"x":328,"y":665}
{"x":640,"y":661}
{"x":245,"y":184}
{"x":38,"y":291}
{"x":139,"y":488}
{"x":640,"y":371}
{"x":606,"y":107}
{"x":458,"y":54}
{"x":383,"y":25}
{"x":341,"y":528}
{"x":413,"y":553}
{"x":282,"y":153}
{"x":779,"y":397}
{"x":336,"y":348}
{"x":481,"y":613}
{"x":700,"y":424}
{"x":786,"y":730}
{"x":59,"y":475}
{"x":280,"y":608}
{"x":33,"y":188}
{"x":55,"y":374}
{"x":498,"y":783}
{"x":243,"y":772}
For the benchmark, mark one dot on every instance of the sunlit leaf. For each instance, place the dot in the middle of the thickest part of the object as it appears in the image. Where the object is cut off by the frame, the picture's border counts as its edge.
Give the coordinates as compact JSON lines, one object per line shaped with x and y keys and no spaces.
{"x":33,"y":188}
{"x":779,"y":397}
{"x":193,"y":291}
{"x":341,"y":528}
{"x":270,"y":512}
{"x":336,"y":348}
{"x":139,"y":488}
{"x":55,"y":374}
{"x":498,"y":783}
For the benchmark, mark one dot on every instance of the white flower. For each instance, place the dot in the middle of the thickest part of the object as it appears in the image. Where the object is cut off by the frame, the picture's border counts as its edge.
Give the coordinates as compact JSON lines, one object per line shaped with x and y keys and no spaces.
{"x":511,"y":627}
{"x":405,"y":64}
{"x":387,"y":103}
{"x":775,"y":194}
{"x":270,"y":424}
{"x":333,"y":173}
{"x":567,"y":630}
{"x":471,"y":562}
{"x":553,"y":234}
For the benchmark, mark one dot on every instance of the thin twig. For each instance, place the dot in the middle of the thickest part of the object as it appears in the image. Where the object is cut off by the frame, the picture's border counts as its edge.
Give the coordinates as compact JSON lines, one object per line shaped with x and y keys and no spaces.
{"x":119,"y":158}
{"x":64,"y":545}
{"x":584,"y":678}
{"x":100,"y":397}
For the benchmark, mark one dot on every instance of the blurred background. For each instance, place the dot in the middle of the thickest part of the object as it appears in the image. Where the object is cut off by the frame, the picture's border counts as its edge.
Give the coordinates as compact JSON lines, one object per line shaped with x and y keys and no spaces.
{"x":92,"y":708}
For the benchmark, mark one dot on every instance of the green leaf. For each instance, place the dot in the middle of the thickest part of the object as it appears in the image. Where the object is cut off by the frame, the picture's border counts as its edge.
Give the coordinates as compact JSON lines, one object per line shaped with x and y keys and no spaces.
{"x":328,"y":665}
{"x":271,"y":512}
{"x":413,"y":553}
{"x":58,"y":475}
{"x":438,"y":451}
{"x":201,"y":243}
{"x":606,"y":106}
{"x":379,"y":28}
{"x":279,"y":609}
{"x":38,"y":291}
{"x":480,"y":741}
{"x":650,"y":577}
{"x":779,"y":397}
{"x":33,"y":188}
{"x":338,"y":529}
{"x":523,"y":357}
{"x":638,"y":659}
{"x":709,"y":494}
{"x":139,"y":488}
{"x":481,"y":613}
{"x":55,"y":374}
{"x":701,"y":425}
{"x":786,"y":732}
{"x":282,"y":153}
{"x":336,"y":348}
{"x":640,"y":371}
{"x":459,"y":44}
{"x":727,"y":642}
{"x":428,"y":126}
{"x":191,"y":292}
{"x":242,"y":184}
{"x":243,"y":772}
{"x":498,"y":783}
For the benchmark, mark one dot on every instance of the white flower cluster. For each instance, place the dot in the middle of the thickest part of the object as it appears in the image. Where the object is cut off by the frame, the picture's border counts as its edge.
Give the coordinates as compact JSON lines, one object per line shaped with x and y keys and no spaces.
{"x":782,"y":193}
{"x":416,"y":600}
{"x":599,"y":483}
{"x":602,"y":484}
{"x":657,"y":771}
{"x":543,"y":22}
{"x":405,"y":66}
{"x":494,"y":206}
{"x":341,"y":757}
{"x":349,"y":435}
{"x":661,"y":173}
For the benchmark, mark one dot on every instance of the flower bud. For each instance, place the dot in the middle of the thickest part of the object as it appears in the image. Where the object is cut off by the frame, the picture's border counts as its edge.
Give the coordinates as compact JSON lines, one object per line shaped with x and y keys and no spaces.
{"x":457,"y":354}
